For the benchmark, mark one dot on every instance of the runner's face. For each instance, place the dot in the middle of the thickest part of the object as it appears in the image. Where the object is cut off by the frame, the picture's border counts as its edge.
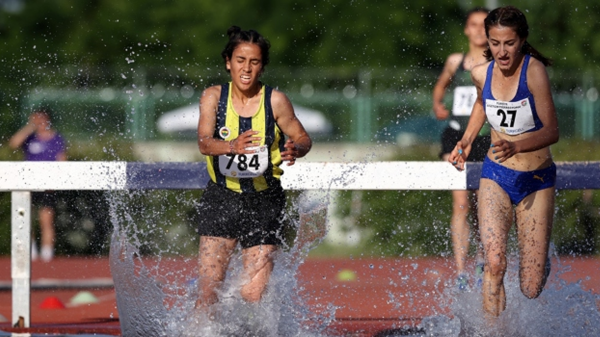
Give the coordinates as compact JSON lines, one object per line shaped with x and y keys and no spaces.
{"x":245,"y":65}
{"x":475,"y":29}
{"x":40,"y":121}
{"x":505,"y":46}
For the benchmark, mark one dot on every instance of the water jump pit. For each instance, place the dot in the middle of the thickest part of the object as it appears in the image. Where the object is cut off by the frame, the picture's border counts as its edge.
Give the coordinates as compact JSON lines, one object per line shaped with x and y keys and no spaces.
{"x":152,"y":292}
{"x":386,"y":297}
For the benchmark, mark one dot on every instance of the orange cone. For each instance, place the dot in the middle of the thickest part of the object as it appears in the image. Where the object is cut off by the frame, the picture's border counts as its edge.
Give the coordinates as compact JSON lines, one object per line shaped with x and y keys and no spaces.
{"x":52,"y":303}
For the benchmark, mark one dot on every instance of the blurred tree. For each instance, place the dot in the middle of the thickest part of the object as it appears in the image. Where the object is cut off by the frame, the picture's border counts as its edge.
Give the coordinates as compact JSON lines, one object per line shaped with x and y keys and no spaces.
{"x":129,"y":34}
{"x":115,"y":34}
{"x":87,"y":44}
{"x":569,"y":33}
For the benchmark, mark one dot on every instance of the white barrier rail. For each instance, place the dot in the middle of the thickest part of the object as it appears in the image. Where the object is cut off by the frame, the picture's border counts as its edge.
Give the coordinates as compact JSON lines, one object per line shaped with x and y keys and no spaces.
{"x":21,"y":178}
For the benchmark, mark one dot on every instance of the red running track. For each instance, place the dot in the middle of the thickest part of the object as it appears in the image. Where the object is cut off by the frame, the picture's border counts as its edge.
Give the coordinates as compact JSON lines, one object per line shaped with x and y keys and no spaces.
{"x":372,"y":295}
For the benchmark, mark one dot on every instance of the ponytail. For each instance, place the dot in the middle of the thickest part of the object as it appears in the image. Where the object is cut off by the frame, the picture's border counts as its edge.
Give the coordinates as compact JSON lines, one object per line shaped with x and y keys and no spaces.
{"x":528,"y":49}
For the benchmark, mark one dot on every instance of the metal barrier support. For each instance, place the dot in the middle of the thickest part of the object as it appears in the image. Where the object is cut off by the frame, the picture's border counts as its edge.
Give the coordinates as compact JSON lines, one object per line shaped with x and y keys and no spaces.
{"x":20,"y":257}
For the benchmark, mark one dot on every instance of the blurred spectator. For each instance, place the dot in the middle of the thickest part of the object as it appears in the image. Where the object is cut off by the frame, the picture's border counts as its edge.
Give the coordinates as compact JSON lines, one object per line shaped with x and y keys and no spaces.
{"x":40,"y":142}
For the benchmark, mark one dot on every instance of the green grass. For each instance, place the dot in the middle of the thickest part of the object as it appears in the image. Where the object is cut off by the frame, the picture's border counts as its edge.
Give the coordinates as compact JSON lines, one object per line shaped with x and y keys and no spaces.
{"x":576,"y":150}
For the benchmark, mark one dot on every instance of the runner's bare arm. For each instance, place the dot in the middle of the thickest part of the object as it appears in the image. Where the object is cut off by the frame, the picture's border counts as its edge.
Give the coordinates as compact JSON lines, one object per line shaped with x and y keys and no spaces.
{"x":299,"y":142}
{"x":20,"y":136}
{"x":208,"y":145}
{"x":443,"y":81}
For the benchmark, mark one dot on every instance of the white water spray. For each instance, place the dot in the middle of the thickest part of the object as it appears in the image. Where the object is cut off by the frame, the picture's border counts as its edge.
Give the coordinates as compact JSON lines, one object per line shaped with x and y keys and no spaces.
{"x":562,"y":309}
{"x":156,"y":292}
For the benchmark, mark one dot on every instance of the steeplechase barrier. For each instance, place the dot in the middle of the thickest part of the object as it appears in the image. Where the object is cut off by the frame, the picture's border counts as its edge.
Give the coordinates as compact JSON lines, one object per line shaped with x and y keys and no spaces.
{"x":21,"y":178}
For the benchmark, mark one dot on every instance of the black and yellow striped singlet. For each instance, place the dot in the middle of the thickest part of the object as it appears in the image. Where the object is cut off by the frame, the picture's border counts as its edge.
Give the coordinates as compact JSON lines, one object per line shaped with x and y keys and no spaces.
{"x":247,"y":173}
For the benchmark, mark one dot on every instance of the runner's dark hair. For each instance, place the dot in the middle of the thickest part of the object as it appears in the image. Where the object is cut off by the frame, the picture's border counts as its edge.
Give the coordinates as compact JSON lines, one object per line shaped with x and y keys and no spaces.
{"x":237,"y":36}
{"x":44,"y":110}
{"x":476,"y":10}
{"x":512,"y":17}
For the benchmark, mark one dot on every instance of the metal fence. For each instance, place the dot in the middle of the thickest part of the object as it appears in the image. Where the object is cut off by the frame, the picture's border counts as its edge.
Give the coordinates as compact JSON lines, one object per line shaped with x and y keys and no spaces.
{"x":363,"y":106}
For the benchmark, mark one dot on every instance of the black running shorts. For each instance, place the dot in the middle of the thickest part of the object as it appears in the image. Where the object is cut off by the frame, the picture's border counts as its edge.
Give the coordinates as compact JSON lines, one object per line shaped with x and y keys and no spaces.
{"x":479,"y":149}
{"x":44,"y":199}
{"x":251,"y":218}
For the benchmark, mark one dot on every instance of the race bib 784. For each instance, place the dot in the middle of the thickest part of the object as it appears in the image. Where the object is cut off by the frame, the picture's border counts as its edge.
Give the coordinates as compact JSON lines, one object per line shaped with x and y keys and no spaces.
{"x":250,"y":165}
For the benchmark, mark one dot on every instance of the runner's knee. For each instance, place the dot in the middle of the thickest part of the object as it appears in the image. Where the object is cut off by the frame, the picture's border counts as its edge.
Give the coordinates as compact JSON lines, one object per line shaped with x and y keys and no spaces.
{"x":496,"y":264}
{"x":252,"y":292}
{"x":531,"y":284}
{"x":530,"y":290}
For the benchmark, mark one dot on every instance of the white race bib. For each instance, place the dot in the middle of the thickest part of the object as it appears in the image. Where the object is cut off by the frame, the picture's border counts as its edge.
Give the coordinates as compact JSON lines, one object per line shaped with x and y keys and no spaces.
{"x":464,"y":99}
{"x":511,"y":118}
{"x":249,"y":165}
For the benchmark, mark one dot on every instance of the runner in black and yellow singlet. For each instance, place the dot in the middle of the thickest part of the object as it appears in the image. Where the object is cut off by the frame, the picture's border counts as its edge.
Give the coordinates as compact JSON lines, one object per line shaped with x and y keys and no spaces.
{"x":242,"y":131}
{"x":247,"y":172}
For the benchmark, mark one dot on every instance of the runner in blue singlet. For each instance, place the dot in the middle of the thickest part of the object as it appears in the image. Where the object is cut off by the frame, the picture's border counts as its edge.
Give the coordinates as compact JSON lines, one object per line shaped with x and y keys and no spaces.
{"x":517,"y":183}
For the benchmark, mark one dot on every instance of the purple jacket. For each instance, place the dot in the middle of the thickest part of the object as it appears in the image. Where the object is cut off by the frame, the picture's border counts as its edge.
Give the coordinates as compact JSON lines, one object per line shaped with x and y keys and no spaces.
{"x":43,"y":150}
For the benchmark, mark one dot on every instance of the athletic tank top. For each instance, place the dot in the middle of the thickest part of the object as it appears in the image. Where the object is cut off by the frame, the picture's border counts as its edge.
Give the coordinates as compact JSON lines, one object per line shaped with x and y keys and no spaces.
{"x":464,"y":97}
{"x":516,"y":116}
{"x":247,"y":173}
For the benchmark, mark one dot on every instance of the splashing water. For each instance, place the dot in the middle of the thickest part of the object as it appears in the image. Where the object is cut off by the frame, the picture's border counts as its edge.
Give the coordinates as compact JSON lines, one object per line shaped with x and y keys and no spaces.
{"x":156,"y":292}
{"x":562,"y":309}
